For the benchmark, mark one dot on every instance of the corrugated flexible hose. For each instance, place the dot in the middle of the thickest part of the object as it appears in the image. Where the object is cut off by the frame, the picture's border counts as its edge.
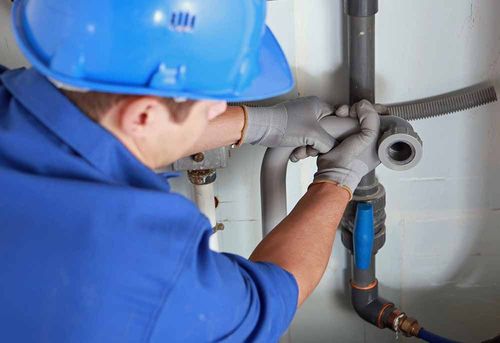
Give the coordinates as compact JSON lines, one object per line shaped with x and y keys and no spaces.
{"x":460,"y":100}
{"x":444,"y":104}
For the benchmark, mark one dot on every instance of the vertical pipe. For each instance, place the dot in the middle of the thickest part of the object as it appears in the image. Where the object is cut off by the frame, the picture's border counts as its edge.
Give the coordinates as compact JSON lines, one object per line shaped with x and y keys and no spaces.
{"x":273,"y":187}
{"x":204,"y":199}
{"x":363,"y":266}
{"x":364,"y":236}
{"x":364,"y":277}
{"x":362,"y":57}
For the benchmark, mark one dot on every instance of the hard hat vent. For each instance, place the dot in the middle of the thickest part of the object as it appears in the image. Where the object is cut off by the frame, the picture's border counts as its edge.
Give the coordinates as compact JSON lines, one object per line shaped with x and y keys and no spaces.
{"x":182,"y":21}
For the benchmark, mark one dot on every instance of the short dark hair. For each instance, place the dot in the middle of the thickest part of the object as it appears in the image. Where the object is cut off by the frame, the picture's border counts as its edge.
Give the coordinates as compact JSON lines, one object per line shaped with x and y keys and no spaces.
{"x":95,"y":104}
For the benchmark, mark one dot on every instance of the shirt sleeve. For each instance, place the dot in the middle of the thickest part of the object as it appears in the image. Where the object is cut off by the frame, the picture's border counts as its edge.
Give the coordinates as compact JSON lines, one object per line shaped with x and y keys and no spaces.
{"x":2,"y":69}
{"x":224,"y":297}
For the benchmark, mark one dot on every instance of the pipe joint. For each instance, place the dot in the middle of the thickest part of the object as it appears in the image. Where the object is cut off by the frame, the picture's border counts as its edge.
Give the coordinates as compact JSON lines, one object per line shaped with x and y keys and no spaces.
{"x":400,"y":322}
{"x":399,"y":147}
{"x":369,"y":306}
{"x":377,"y":200}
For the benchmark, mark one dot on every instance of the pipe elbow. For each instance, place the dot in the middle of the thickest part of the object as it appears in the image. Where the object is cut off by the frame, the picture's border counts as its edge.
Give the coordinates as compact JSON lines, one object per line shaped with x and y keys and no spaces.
{"x":369,"y":306}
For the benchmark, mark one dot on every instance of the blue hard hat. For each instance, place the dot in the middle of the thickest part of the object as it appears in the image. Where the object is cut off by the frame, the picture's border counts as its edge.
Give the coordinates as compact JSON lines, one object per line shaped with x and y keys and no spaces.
{"x":196,"y":49}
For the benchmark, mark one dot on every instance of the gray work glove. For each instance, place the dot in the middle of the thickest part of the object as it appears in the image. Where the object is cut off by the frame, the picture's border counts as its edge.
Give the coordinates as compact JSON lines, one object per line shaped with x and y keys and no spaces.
{"x":357,"y":155}
{"x":293,"y":123}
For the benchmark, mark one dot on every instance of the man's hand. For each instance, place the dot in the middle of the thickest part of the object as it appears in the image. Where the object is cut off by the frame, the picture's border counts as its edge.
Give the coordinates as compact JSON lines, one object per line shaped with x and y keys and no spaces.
{"x":292,"y":123}
{"x":357,"y":155}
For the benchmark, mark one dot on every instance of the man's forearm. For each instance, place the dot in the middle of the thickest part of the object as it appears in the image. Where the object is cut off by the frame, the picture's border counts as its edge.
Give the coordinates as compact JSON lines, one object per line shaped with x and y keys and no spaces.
{"x":224,"y":130}
{"x":302,"y":243}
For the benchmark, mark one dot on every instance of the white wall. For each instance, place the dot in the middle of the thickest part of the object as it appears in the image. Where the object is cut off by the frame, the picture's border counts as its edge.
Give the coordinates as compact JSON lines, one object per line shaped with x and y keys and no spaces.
{"x":9,"y":53}
{"x":441,"y":261}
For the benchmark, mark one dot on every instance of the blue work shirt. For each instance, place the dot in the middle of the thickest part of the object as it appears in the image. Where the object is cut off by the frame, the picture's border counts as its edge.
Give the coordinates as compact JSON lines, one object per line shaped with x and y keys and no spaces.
{"x":94,"y":247}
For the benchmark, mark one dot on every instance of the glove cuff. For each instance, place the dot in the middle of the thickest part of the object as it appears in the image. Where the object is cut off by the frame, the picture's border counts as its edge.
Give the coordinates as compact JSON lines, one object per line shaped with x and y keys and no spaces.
{"x":316,"y":182}
{"x":346,"y":177}
{"x":244,"y":130}
{"x":264,"y":125}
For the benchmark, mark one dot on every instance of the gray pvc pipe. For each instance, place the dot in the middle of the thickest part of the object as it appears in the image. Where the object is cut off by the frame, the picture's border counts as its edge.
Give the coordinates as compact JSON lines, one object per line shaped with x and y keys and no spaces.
{"x":361,"y":42}
{"x":274,"y":168}
{"x":273,"y":187}
{"x":275,"y":163}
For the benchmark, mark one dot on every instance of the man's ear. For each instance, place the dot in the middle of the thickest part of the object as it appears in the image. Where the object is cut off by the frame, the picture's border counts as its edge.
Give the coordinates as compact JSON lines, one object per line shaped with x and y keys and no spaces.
{"x":138,"y":116}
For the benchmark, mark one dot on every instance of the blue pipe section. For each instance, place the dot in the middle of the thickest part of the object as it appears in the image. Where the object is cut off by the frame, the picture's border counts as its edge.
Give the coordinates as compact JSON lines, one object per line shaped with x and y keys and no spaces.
{"x":433,"y":338}
{"x":363,"y":236}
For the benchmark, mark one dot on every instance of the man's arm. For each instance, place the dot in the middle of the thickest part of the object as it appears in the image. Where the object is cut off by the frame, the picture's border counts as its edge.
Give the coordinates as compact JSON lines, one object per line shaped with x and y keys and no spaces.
{"x":293,"y":123}
{"x":302,"y":243}
{"x":224,"y":130}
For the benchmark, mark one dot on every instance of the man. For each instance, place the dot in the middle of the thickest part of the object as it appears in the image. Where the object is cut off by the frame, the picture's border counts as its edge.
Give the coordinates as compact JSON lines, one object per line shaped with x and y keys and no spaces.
{"x":94,"y":247}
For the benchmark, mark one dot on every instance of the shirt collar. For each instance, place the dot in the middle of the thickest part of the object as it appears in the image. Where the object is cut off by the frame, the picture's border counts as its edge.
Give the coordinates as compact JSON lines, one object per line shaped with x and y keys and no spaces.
{"x":94,"y":143}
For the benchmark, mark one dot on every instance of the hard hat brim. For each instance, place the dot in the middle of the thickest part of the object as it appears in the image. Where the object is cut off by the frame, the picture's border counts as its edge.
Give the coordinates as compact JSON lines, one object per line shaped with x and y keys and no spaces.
{"x":274,"y":78}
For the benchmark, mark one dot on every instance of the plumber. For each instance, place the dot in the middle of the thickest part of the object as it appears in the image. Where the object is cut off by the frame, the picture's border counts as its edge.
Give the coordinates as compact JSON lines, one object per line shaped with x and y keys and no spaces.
{"x":94,"y":245}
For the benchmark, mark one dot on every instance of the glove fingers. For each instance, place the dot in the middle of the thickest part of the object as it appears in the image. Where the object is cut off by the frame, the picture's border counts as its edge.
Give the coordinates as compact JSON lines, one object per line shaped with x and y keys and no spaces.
{"x":369,"y":119}
{"x":299,"y":154}
{"x":381,"y":109}
{"x":323,"y":143}
{"x":302,"y":153}
{"x":357,"y":154}
{"x":311,"y":152}
{"x":325,"y":109}
{"x":353,"y":111}
{"x":342,"y":111}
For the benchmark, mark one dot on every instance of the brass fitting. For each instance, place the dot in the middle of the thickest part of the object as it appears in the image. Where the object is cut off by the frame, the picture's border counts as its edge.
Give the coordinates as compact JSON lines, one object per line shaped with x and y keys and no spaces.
{"x":410,"y":327}
{"x":399,"y":322}
{"x":202,"y":177}
{"x":218,"y":227}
